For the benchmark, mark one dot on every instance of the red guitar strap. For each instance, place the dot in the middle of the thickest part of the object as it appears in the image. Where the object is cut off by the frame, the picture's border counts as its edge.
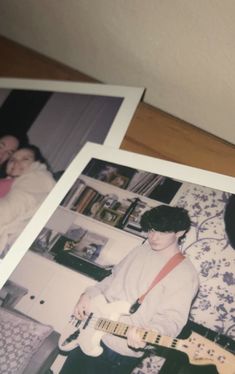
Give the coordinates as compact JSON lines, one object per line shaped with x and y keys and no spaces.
{"x":167,"y":268}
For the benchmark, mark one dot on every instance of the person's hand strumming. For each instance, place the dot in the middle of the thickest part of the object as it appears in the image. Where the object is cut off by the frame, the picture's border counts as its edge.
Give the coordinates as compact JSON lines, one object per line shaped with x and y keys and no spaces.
{"x":81,"y":309}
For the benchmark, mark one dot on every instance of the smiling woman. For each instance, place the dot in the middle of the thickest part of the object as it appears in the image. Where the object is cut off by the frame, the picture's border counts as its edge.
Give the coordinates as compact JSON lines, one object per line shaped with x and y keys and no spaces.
{"x":20,"y":162}
{"x":27,"y":184}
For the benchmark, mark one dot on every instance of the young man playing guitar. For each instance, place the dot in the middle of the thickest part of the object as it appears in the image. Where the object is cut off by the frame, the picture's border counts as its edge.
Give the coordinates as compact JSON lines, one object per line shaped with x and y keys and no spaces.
{"x":157,"y":281}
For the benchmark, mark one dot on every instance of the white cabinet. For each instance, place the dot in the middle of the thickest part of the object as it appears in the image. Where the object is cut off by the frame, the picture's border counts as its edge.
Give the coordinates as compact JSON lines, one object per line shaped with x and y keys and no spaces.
{"x":53,"y":289}
{"x":60,"y":297}
{"x":34,"y":273}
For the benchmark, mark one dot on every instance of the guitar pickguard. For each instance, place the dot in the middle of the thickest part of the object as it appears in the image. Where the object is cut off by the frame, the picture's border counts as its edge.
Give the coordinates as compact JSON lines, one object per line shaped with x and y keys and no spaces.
{"x":85,"y":335}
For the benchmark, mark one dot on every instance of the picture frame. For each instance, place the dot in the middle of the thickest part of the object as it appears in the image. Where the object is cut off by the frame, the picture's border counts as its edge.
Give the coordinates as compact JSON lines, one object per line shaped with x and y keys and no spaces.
{"x":80,"y":256}
{"x":90,"y":151}
{"x":120,"y":181}
{"x":60,"y":117}
{"x":204,"y":194}
{"x":109,"y":216}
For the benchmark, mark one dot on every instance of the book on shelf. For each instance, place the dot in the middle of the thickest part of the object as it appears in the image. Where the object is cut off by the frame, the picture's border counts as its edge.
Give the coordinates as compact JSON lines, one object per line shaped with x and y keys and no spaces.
{"x":84,"y":199}
{"x":139,"y":180}
{"x":94,"y":205}
{"x":73,"y":194}
{"x":144,"y":183}
{"x":144,"y":186}
{"x":154,"y":183}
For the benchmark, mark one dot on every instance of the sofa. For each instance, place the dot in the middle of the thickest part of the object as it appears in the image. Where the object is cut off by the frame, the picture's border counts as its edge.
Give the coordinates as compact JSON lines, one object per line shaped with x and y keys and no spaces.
{"x":26,"y":345}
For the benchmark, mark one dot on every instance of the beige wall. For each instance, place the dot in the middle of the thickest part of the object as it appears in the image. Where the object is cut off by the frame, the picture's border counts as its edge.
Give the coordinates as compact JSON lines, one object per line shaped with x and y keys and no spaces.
{"x":182,"y":51}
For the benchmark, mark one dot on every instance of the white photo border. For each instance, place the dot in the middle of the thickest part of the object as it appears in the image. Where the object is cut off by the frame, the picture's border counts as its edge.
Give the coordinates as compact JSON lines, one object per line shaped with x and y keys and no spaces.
{"x":131,"y":97}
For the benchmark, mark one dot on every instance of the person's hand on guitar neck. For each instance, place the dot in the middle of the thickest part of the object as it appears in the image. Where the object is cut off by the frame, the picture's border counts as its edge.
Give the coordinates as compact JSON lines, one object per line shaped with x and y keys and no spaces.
{"x":82,"y":308}
{"x":133,"y":338}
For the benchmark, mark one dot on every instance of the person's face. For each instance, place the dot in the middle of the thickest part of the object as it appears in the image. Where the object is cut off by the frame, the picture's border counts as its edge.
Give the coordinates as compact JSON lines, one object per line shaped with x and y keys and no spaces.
{"x":8,"y":145}
{"x":160,"y":241}
{"x":19,"y":162}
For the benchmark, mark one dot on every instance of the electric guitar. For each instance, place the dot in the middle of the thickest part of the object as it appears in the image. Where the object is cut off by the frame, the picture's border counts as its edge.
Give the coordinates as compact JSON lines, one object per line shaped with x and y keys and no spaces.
{"x":87,"y":335}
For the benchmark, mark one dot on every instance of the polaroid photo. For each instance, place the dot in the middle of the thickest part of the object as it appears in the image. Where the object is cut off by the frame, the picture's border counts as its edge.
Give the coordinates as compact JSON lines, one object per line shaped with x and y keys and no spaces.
{"x":58,"y":118}
{"x":92,"y":220}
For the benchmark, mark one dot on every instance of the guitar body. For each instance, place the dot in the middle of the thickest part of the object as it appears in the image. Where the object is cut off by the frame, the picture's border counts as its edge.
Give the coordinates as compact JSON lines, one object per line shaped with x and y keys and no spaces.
{"x":85,"y":335}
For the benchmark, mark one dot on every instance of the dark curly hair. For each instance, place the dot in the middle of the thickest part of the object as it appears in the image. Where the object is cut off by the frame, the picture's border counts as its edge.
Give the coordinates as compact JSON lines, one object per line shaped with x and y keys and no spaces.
{"x":166,"y":219}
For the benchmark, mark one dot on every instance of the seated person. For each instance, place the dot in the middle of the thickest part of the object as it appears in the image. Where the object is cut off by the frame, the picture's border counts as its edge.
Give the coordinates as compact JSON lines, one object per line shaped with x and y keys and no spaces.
{"x":163,"y":308}
{"x":27,"y":184}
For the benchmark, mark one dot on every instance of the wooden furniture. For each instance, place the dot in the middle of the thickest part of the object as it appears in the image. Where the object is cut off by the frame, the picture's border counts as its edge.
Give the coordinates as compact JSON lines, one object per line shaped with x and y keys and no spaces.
{"x":167,"y":137}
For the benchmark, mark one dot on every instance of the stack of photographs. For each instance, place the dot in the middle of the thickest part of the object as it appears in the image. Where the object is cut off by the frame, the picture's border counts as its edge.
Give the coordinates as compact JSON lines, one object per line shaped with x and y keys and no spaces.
{"x":91,"y":218}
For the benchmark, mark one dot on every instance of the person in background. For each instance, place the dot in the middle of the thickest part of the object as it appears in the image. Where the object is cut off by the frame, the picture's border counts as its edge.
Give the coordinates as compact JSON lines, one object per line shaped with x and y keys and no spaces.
{"x":8,"y":145}
{"x":27,"y":184}
{"x":164,"y":309}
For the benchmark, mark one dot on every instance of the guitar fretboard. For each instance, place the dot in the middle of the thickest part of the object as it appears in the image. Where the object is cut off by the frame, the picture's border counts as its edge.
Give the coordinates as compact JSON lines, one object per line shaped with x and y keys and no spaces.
{"x":121,"y":329}
{"x":200,"y":350}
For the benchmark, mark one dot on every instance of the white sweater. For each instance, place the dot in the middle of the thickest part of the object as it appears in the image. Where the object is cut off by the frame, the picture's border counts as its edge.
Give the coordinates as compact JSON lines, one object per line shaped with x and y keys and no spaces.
{"x":165,"y":309}
{"x":19,"y":205}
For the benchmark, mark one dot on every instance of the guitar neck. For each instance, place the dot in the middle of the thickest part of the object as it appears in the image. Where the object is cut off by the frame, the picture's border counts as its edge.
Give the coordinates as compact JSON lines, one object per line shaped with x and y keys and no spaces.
{"x":200,"y":350}
{"x":151,"y":337}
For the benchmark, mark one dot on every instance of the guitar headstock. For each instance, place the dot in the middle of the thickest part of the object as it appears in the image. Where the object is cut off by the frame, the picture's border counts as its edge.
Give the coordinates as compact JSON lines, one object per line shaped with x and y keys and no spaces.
{"x":202,"y":351}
